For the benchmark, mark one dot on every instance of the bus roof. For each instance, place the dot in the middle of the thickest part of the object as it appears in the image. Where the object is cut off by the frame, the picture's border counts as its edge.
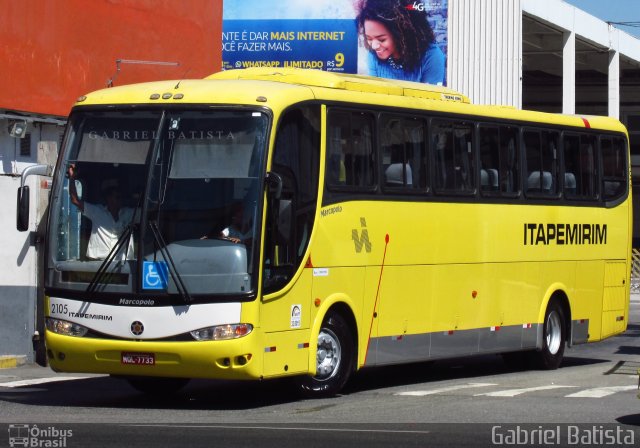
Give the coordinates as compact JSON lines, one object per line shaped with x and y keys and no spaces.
{"x":281,"y":87}
{"x":344,"y":81}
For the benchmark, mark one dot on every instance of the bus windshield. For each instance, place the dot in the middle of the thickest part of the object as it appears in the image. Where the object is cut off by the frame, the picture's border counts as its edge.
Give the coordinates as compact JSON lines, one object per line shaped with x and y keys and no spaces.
{"x":158,"y":202}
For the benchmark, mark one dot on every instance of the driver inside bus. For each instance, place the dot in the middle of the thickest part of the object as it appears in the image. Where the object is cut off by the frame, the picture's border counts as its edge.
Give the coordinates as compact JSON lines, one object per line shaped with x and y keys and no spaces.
{"x":108,"y":220}
{"x":238,"y":230}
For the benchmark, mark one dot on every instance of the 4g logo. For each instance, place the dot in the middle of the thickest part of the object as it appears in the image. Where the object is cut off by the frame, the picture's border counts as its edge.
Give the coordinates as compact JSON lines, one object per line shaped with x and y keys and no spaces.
{"x":417,"y":6}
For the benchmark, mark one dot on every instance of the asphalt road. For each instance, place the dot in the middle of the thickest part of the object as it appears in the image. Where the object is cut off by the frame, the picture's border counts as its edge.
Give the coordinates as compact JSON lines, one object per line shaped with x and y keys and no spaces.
{"x":463,"y":402}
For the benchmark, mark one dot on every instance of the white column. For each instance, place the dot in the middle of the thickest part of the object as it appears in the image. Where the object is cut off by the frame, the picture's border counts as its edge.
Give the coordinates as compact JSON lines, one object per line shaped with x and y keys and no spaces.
{"x":614,"y":84}
{"x":569,"y":72}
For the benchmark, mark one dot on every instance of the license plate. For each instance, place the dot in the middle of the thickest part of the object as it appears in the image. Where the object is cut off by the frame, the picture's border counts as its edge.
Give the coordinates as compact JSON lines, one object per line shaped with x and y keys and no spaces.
{"x":138,"y":359}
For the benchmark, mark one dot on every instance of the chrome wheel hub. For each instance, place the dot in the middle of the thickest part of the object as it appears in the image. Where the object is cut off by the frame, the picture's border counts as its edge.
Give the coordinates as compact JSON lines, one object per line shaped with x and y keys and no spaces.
{"x":554,"y":332}
{"x":328,"y":355}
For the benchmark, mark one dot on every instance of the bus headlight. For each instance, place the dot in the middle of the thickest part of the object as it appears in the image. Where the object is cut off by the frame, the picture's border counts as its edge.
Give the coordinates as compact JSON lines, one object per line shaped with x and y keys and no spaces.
{"x":66,"y":328}
{"x":222,"y":332}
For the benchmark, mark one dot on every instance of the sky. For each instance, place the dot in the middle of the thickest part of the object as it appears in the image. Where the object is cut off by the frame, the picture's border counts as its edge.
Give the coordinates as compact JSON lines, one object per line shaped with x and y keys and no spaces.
{"x":613,"y":11}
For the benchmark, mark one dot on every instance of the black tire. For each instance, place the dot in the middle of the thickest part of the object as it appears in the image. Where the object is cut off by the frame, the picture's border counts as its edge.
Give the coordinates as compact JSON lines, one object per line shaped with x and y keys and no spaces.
{"x":335,"y":359}
{"x":157,"y":386}
{"x":554,"y":337}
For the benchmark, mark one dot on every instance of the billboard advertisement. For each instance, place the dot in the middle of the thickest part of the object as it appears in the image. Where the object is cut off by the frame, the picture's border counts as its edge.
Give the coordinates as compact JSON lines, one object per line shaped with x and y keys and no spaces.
{"x":399,"y":39}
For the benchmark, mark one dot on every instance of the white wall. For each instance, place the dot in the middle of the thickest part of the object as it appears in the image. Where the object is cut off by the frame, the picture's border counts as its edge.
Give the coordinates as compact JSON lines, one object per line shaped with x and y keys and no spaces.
{"x":12,"y":162}
{"x":18,"y":260}
{"x":485,"y":50}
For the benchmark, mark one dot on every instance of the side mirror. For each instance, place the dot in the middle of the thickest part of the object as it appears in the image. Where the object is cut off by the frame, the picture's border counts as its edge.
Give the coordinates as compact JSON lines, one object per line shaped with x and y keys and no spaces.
{"x":274,"y":184}
{"x":282,"y":215}
{"x":22,"y":210}
{"x":284,"y":221}
{"x":22,"y":216}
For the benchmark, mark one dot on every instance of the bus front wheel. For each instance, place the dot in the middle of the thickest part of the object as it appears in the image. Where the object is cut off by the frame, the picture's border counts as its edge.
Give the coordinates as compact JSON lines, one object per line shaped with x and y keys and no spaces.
{"x":334,"y":359}
{"x":553,"y":338}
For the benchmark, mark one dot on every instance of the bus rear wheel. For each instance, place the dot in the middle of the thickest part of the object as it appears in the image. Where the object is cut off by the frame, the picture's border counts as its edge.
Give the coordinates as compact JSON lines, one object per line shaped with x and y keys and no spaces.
{"x":554,"y":338}
{"x":334,"y":359}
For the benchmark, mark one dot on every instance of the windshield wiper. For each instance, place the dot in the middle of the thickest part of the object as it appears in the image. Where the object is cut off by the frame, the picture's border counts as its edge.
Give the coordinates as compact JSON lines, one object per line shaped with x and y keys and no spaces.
{"x":123,"y":239}
{"x":102,"y":271}
{"x":173,"y":271}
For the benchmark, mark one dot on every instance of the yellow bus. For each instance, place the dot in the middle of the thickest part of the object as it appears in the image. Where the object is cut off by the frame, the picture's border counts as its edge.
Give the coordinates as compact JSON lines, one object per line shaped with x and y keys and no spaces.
{"x":265,"y":223}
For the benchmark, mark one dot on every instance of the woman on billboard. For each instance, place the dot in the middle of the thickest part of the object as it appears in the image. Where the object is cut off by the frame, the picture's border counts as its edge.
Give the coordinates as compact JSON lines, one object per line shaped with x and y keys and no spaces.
{"x":400,"y":41}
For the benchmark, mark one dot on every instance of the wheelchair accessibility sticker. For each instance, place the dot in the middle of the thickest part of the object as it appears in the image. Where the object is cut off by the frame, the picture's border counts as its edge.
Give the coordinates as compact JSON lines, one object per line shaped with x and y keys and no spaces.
{"x":155,"y":275}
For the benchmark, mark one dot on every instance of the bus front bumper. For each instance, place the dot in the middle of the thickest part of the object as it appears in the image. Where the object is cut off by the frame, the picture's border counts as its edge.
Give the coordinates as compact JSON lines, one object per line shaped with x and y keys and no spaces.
{"x":228,"y":359}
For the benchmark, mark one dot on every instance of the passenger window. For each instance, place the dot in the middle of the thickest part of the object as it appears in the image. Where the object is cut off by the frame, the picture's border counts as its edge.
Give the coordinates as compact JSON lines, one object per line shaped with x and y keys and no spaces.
{"x":351,"y":158}
{"x":498,"y":160}
{"x":579,"y":166}
{"x":454,"y":160}
{"x":489,"y":159}
{"x":404,"y":159}
{"x":541,"y":149}
{"x":614,"y":168}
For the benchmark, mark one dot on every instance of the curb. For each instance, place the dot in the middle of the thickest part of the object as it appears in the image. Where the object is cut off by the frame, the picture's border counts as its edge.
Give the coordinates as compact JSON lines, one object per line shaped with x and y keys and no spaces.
{"x":10,"y":361}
